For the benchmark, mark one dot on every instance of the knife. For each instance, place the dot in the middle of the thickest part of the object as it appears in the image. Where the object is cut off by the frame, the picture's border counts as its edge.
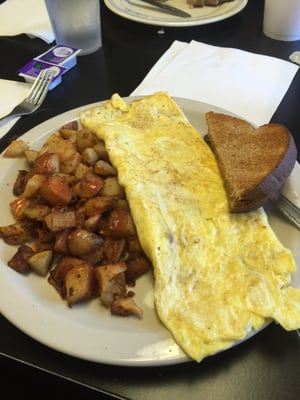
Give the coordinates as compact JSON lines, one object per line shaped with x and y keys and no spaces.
{"x":169,"y":9}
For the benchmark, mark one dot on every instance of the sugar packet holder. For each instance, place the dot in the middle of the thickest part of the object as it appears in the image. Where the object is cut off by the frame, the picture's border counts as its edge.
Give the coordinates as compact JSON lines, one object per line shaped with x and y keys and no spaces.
{"x":59,"y":59}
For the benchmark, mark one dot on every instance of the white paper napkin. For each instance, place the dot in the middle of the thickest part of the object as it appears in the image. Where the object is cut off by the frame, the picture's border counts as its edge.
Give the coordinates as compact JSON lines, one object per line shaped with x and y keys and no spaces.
{"x":25,"y":16}
{"x":12,"y":93}
{"x":247,"y":84}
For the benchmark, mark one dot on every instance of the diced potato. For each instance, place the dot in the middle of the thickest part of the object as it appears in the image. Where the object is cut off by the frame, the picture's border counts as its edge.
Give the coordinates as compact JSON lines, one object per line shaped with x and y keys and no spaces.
{"x":126,"y":306}
{"x":111,"y":282}
{"x":69,"y":134}
{"x":58,"y":220}
{"x":56,"y":144}
{"x":136,"y":266}
{"x":16,"y":149}
{"x":31,"y":155}
{"x":102,"y":167}
{"x":36,"y":212}
{"x":41,"y":262}
{"x":18,"y":206}
{"x":85,"y":139}
{"x":101,"y":151}
{"x":82,"y":169}
{"x":120,"y":225}
{"x":112,"y":187}
{"x":69,"y":165}
{"x":58,"y":274}
{"x":89,"y":185}
{"x":46,"y":164}
{"x":19,"y":262}
{"x":18,"y":233}
{"x":72,"y":209}
{"x":20,"y":182}
{"x":80,"y":283}
{"x":81,"y":242}
{"x":99,"y":204}
{"x":114,"y":249}
{"x":89,"y":156}
{"x":33,"y":184}
{"x":56,"y":190}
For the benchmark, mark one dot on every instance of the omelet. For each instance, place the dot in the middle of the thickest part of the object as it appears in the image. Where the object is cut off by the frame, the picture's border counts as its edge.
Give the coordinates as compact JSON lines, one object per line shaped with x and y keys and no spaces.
{"x":217,"y":275}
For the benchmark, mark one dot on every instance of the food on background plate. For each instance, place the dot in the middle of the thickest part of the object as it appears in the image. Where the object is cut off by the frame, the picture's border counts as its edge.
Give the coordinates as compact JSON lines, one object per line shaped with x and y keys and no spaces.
{"x":73,"y":223}
{"x":254,"y":162}
{"x":202,"y":3}
{"x":218,"y":275}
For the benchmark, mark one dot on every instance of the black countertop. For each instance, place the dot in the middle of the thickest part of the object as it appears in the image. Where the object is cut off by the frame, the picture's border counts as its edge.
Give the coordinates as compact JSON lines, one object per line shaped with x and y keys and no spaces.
{"x":265,"y":367}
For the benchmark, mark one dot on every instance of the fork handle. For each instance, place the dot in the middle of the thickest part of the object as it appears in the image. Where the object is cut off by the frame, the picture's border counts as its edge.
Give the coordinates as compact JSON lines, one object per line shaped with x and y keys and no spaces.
{"x":8,"y":117}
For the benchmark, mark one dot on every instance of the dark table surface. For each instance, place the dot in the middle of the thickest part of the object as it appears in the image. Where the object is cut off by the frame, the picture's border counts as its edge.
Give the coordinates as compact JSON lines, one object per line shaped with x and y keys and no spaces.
{"x":265,"y":367}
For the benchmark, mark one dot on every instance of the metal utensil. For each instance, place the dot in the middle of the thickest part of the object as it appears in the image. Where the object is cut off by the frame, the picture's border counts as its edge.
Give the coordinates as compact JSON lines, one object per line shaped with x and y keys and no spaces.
{"x":35,"y":96}
{"x":167,"y":8}
{"x":288,"y":209}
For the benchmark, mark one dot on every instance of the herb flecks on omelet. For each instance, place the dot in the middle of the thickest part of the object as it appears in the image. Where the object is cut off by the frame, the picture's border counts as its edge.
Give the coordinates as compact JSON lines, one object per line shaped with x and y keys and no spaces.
{"x":217,"y":275}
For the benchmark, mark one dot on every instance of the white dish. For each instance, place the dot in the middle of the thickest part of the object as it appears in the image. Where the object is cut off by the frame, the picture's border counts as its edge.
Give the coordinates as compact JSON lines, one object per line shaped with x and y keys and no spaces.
{"x":139,"y":11}
{"x":88,"y":331}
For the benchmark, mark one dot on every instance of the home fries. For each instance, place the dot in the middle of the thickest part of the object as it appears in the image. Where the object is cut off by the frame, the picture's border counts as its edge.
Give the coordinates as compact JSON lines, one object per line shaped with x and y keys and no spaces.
{"x":217,"y":275}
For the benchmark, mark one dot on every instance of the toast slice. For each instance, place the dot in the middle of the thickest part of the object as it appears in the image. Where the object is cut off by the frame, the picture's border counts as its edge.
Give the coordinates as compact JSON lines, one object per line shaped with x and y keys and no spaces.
{"x":254,"y":162}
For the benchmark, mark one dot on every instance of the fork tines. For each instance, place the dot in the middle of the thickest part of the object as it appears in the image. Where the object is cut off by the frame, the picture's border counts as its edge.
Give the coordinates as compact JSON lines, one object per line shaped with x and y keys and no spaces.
{"x":40,"y":86}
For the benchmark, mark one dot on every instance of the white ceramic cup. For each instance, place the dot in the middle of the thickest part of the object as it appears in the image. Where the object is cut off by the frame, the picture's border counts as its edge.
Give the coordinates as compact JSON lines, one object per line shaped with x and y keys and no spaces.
{"x":76,"y":23}
{"x":282,"y":19}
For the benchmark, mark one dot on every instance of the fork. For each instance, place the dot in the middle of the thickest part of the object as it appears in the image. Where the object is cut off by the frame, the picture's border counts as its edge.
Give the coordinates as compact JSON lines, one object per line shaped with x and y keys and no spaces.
{"x":288,"y":209}
{"x":35,"y":96}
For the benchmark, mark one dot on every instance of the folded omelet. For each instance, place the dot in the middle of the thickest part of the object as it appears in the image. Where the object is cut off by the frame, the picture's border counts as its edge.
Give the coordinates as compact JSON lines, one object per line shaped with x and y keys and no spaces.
{"x":217,"y":275}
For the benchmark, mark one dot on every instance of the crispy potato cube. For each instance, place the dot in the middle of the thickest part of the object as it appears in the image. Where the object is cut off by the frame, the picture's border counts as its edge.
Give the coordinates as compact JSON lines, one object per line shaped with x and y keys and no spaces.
{"x":19,"y":262}
{"x":33,"y":184}
{"x":111,"y":282}
{"x":81,"y":242}
{"x":85,"y":138}
{"x":61,"y":242}
{"x":99,"y":204}
{"x":101,"y":151}
{"x":69,"y":165}
{"x":89,"y":185}
{"x":114,"y":249}
{"x":36,"y":212}
{"x":19,"y":232}
{"x":56,"y":144}
{"x":80,"y":283}
{"x":56,"y":190}
{"x":126,"y":306}
{"x":31,"y":155}
{"x":67,"y":133}
{"x":20,"y":182}
{"x":58,"y":273}
{"x":120,"y":225}
{"x":102,"y":167}
{"x":15,"y":149}
{"x":112,"y":187}
{"x":46,"y":164}
{"x":40,"y":262}
{"x":58,"y":220}
{"x":82,"y":169}
{"x":71,"y":125}
{"x":18,"y":206}
{"x":89,"y":156}
{"x":136,"y":266}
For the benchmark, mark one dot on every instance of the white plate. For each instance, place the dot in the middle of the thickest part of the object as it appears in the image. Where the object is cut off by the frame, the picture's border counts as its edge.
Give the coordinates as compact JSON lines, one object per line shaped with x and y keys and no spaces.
{"x":139,"y":11}
{"x":88,"y":331}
